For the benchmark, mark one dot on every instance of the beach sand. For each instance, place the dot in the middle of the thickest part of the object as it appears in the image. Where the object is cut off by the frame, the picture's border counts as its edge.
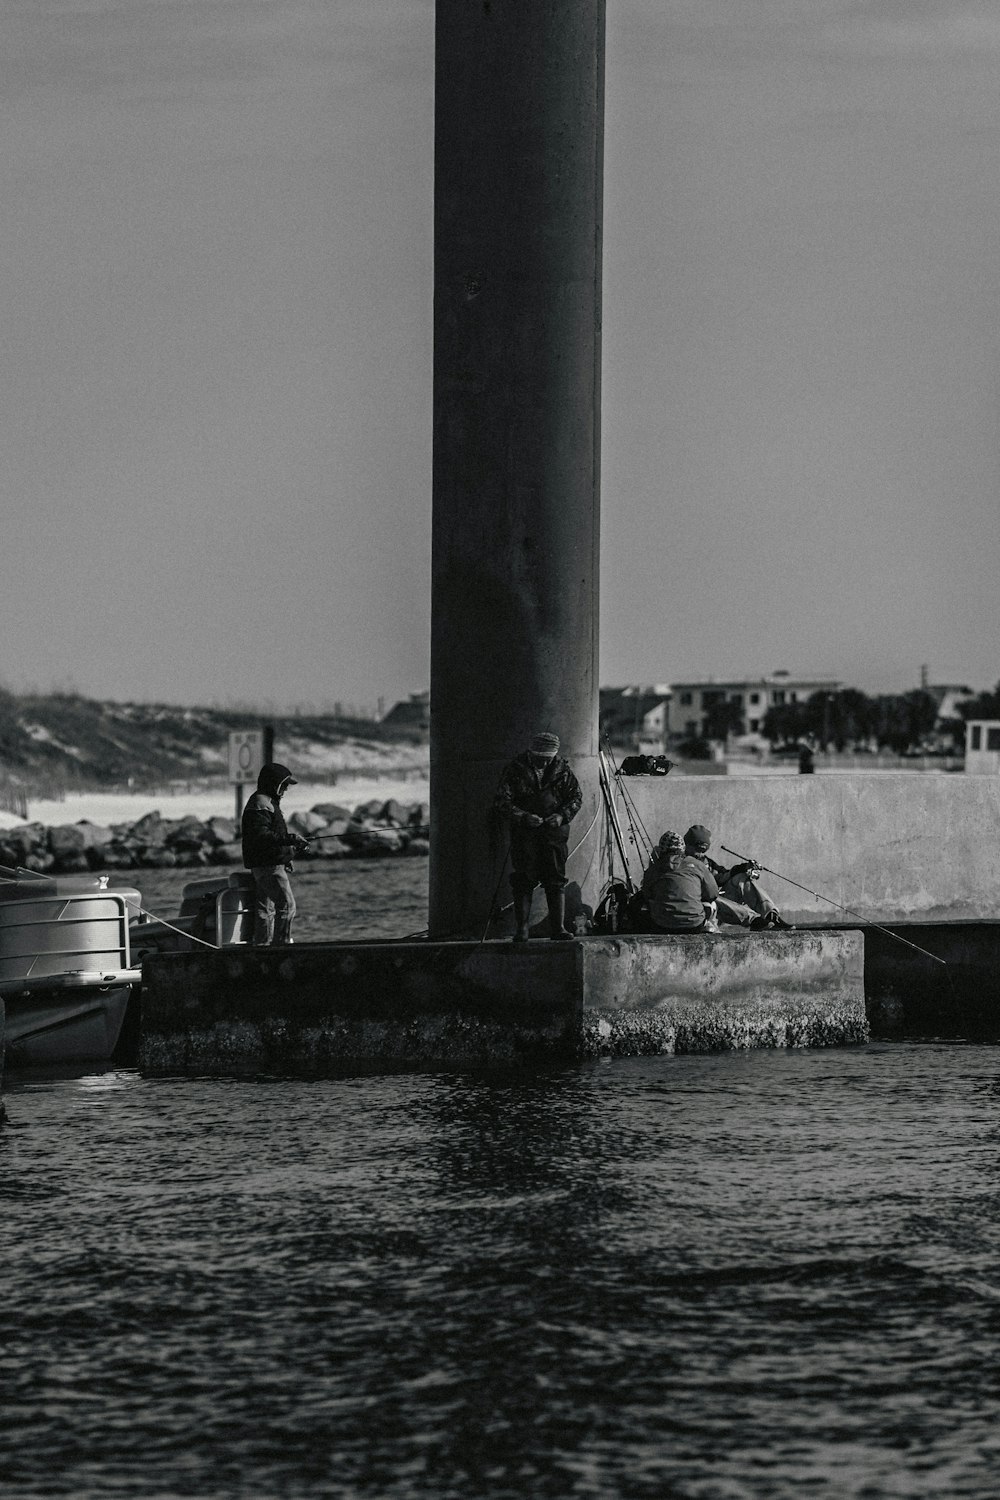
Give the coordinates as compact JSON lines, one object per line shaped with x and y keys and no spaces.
{"x":109,"y":808}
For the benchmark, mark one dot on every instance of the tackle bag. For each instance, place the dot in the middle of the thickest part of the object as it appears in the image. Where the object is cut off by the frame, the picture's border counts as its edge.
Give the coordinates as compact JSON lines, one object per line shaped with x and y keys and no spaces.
{"x":645,"y":765}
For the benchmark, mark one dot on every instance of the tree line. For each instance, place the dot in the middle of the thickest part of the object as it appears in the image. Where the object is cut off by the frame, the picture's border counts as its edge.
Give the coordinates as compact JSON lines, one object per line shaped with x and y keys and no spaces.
{"x":848,"y":718}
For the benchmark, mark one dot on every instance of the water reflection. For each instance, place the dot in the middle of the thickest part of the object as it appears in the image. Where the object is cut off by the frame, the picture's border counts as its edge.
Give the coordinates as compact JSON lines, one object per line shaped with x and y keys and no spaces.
{"x":768,"y":1275}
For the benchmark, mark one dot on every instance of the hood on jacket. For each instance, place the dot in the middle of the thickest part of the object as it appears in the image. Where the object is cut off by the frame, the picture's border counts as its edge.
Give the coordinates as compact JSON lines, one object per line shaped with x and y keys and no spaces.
{"x":273,"y":777}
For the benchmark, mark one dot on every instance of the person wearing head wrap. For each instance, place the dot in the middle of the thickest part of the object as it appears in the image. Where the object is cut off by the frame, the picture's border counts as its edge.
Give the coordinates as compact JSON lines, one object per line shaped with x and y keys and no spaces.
{"x":268,"y":849}
{"x":539,"y":796}
{"x":679,"y":895}
{"x":742,"y":902}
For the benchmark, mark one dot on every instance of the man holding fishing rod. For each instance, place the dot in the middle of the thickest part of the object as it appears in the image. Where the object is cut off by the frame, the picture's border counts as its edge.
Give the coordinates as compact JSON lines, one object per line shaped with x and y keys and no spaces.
{"x":268,"y":849}
{"x":741,"y":901}
{"x":539,"y":796}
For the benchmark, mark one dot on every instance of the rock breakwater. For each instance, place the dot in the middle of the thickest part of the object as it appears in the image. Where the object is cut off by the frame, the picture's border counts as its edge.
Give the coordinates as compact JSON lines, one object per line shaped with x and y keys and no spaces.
{"x":375,"y":828}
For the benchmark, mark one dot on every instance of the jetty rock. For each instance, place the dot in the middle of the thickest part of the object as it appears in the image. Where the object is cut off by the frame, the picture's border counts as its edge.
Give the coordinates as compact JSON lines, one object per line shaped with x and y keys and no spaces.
{"x":372,"y":830}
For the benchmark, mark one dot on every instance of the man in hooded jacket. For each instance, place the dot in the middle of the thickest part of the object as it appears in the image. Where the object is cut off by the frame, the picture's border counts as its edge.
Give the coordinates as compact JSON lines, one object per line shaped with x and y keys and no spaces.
{"x":268,"y":849}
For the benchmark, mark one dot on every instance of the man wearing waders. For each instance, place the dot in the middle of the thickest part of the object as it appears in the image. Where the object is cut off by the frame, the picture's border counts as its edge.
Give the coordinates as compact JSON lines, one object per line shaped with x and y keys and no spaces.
{"x":539,"y":796}
{"x":268,"y":848}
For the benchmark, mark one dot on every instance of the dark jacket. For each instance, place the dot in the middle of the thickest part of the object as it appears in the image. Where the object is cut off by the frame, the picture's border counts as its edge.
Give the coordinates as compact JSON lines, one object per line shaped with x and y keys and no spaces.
{"x":676,"y":890}
{"x":719,"y":872}
{"x":266,"y":839}
{"x":552,"y":788}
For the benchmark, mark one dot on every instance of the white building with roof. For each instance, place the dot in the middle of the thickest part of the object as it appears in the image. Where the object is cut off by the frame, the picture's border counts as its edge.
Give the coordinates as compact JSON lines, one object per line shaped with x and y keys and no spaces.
{"x":690,"y":702}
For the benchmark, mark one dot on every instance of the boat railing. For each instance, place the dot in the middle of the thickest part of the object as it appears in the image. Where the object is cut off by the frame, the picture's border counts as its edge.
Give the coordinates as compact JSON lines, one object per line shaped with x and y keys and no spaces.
{"x":45,"y":935}
{"x":216,"y":912}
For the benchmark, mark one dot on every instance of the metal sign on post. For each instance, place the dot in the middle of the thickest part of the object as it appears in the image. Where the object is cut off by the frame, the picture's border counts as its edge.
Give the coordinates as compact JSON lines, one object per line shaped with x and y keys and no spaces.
{"x":249,"y":750}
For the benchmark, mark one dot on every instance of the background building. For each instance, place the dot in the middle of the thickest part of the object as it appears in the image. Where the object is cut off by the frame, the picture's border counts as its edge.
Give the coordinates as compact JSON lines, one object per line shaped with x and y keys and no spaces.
{"x":982,"y":747}
{"x":635,"y":718}
{"x":690,"y":704}
{"x":412,"y":715}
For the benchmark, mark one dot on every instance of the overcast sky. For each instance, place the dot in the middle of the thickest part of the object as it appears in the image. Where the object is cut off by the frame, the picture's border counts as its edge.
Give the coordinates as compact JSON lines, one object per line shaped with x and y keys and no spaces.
{"x":216,"y":273}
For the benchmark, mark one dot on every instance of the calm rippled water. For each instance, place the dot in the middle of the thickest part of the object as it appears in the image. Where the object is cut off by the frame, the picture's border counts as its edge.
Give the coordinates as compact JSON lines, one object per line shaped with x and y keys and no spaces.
{"x":344,"y":898}
{"x":770,"y":1274}
{"x":699,"y":1278}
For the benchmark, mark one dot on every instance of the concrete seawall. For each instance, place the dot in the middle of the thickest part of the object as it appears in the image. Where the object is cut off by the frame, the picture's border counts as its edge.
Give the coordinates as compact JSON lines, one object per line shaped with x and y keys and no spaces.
{"x":908,"y":995}
{"x":893,"y":845}
{"x":708,"y":994}
{"x":320,"y":1008}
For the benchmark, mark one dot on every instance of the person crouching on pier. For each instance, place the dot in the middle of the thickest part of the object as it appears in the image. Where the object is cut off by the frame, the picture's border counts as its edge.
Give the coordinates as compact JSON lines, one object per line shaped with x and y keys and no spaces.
{"x":268,"y":850}
{"x":539,"y":796}
{"x":742,"y":902}
{"x":678,"y":893}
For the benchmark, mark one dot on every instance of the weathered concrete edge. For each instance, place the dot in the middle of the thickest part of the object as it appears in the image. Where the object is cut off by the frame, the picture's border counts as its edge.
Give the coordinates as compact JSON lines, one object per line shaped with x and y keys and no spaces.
{"x":942,"y":979}
{"x":322,"y":1008}
{"x":707,"y":994}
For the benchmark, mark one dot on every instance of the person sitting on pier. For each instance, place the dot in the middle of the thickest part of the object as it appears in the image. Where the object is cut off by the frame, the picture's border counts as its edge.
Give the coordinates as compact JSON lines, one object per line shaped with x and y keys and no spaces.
{"x":268,"y":849}
{"x":678,"y":894}
{"x":539,"y":796}
{"x":742,"y":902}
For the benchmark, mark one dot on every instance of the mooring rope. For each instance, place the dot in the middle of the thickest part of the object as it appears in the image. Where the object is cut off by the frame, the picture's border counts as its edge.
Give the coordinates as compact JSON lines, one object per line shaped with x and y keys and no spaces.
{"x":145,"y":912}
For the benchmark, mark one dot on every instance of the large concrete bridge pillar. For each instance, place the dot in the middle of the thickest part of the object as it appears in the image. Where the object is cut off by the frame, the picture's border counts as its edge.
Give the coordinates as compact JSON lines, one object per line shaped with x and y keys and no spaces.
{"x":519,"y":115}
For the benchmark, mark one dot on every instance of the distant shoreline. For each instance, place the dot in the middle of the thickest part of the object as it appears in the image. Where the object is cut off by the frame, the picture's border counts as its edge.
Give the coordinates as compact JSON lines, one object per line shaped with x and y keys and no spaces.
{"x":109,"y":808}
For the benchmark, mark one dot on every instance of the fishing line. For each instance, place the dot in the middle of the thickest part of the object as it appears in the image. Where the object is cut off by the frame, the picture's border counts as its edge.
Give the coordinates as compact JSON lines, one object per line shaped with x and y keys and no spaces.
{"x":504,"y":909}
{"x":586,"y":836}
{"x":851,"y":913}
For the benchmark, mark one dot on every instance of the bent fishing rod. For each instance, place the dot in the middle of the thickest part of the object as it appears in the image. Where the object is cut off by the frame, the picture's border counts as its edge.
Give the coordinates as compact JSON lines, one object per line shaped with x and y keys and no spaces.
{"x":820,"y":897}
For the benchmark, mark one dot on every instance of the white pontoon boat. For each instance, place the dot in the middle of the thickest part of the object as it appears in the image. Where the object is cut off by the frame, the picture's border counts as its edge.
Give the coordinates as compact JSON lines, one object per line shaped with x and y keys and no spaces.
{"x":71,"y":949}
{"x":66,"y":969}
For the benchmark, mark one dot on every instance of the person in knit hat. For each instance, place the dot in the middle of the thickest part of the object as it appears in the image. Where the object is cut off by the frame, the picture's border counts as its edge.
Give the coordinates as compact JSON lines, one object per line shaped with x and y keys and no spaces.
{"x":742,"y":902}
{"x":268,"y":849}
{"x":539,"y":796}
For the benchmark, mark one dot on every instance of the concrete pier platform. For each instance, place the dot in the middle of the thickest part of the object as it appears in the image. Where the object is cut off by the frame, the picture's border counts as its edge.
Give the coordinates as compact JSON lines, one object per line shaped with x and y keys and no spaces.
{"x":340,"y":1007}
{"x":909,"y":996}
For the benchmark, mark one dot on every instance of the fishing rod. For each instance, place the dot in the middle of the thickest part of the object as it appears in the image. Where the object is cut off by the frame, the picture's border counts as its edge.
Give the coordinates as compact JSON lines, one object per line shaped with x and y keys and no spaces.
{"x":820,"y":897}
{"x":493,"y":902}
{"x":612,"y":812}
{"x":631,"y":809}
